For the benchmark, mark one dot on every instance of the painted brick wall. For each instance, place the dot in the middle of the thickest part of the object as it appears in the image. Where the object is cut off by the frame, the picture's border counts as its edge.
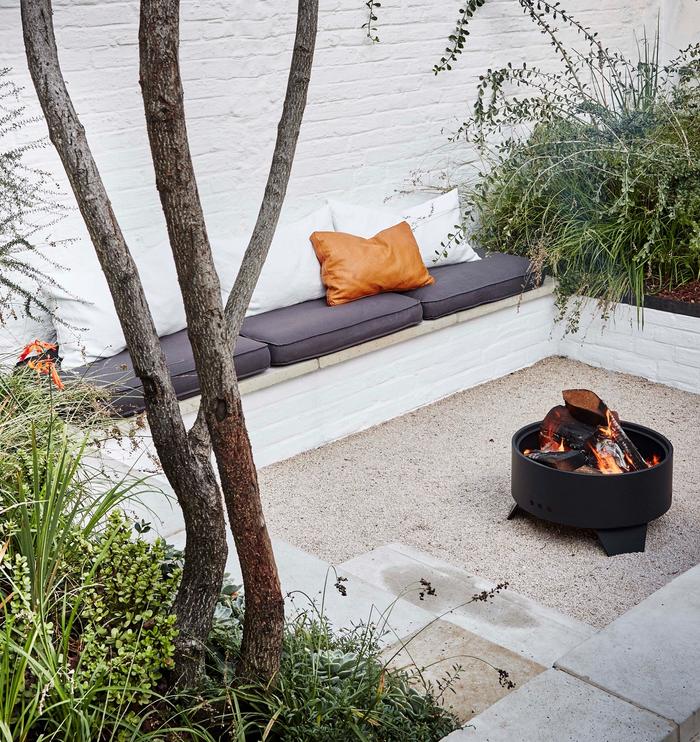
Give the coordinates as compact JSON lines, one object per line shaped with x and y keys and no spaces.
{"x":665,"y":349}
{"x":376,"y":113}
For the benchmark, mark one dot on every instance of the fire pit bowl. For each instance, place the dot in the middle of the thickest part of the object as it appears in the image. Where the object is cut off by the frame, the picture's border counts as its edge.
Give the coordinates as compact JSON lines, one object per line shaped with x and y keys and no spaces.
{"x":618,"y":506}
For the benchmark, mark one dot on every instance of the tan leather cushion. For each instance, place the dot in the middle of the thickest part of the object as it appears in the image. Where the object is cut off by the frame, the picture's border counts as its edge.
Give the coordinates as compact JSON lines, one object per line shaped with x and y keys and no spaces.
{"x":353,"y":267}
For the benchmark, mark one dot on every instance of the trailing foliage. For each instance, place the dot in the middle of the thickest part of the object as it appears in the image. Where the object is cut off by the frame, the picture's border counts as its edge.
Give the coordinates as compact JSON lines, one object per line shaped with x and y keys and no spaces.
{"x":28,"y":206}
{"x":332,"y":686}
{"x":369,"y":26}
{"x":594,"y":171}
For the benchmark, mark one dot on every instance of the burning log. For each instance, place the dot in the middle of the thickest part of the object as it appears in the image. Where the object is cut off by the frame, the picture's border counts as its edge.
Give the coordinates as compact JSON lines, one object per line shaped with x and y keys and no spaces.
{"x":587,"y":407}
{"x":560,"y":426}
{"x":609,"y":457}
{"x":562,"y":460}
{"x":589,"y":470}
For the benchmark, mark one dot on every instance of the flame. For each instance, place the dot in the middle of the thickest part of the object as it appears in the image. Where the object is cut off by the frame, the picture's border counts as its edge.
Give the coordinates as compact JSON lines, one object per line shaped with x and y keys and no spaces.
{"x":653,"y":460}
{"x":606,"y":463}
{"x":550,"y":438}
{"x":607,"y":430}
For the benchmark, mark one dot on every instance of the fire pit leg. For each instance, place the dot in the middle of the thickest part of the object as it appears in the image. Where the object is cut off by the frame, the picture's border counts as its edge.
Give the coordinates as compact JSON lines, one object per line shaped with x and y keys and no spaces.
{"x":513,"y":511}
{"x":622,"y":540}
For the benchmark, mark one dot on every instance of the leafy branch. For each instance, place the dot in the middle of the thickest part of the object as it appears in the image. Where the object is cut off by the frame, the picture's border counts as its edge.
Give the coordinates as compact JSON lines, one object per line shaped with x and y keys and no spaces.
{"x":370,"y":28}
{"x":458,"y":39}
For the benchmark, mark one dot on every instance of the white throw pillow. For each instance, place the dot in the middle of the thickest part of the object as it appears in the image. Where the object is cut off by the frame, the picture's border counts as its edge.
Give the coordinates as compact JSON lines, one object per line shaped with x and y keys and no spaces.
{"x":292,"y":273}
{"x":435,"y":225}
{"x":17,"y":330}
{"x":89,"y":328}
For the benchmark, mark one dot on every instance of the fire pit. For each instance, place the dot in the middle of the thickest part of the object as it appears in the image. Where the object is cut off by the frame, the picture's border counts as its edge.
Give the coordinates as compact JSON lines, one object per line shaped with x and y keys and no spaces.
{"x":581,"y":466}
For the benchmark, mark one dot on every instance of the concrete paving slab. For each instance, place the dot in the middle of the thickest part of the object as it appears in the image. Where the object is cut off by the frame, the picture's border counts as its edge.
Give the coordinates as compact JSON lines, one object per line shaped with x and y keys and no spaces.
{"x":441,"y":646}
{"x":651,"y":655}
{"x":310,"y":582}
{"x":509,"y":619}
{"x":556,"y":707}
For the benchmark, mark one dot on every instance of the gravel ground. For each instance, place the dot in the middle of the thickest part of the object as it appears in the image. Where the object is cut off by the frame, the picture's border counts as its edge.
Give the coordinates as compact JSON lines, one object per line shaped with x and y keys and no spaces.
{"x":438,"y":479}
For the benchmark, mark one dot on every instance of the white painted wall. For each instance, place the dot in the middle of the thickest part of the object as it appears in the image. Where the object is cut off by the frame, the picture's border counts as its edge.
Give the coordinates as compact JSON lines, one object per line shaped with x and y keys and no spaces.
{"x":376,"y":112}
{"x":665,"y":348}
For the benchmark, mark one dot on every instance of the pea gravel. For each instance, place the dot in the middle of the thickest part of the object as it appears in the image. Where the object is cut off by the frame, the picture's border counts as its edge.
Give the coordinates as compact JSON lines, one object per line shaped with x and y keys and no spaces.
{"x":438,"y":479}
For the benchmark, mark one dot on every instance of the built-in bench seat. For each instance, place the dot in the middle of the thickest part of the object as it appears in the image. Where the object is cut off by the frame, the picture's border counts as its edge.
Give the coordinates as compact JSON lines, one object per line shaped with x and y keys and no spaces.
{"x":312,"y":329}
{"x":467,"y":285}
{"x":250,"y":357}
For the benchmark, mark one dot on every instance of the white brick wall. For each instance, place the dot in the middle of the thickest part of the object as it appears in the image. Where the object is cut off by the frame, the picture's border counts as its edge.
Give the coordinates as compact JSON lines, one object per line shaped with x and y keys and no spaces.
{"x":665,"y":349}
{"x":376,"y":112}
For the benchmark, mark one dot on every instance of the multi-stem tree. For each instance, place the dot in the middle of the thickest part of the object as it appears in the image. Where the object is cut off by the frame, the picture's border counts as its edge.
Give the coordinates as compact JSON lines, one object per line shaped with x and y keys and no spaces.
{"x":185,"y":455}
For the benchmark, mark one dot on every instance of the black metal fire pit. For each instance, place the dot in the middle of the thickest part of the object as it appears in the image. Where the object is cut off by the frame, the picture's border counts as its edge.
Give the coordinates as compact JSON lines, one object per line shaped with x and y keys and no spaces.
{"x":617,"y":506}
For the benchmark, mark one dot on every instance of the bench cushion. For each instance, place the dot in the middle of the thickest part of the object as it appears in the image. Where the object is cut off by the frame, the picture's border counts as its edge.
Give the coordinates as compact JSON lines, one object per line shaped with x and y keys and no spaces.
{"x":249,"y":357}
{"x":466,"y":285}
{"x":312,"y":328}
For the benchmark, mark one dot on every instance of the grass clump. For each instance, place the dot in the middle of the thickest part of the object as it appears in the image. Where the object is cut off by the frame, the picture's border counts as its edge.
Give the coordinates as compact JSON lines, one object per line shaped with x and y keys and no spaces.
{"x":332,"y":686}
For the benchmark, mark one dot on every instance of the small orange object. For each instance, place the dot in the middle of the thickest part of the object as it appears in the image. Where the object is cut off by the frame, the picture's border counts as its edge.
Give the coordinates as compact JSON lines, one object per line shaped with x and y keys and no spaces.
{"x":42,"y":364}
{"x":36,"y":346}
{"x":47,"y":366}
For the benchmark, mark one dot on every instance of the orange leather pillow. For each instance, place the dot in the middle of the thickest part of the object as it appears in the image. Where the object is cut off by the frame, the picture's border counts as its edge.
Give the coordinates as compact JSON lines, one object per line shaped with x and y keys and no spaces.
{"x":353,"y":267}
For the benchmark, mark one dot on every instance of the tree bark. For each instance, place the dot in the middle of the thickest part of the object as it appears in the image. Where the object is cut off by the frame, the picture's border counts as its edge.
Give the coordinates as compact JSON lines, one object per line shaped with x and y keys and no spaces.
{"x":191,"y":477}
{"x":210,"y":330}
{"x":275,"y":188}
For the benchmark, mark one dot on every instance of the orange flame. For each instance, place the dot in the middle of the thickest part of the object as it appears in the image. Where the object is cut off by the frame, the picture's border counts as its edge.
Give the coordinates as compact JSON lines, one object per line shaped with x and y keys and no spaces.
{"x":41,"y":363}
{"x":606,"y":463}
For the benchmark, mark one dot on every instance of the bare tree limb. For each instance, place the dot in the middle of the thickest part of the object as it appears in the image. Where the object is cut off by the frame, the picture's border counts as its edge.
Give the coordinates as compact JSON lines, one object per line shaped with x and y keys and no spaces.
{"x":280,"y":167}
{"x":192,"y":478}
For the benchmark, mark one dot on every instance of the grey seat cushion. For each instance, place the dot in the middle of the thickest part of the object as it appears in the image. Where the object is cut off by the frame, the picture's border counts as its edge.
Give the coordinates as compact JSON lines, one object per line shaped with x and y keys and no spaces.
{"x":312,"y":328}
{"x":466,"y":285}
{"x":249,"y":357}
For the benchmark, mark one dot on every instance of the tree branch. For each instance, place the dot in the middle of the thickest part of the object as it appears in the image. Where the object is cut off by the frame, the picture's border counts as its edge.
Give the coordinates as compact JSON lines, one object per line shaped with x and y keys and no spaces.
{"x":192,"y":479}
{"x":221,"y":425}
{"x":275,"y":188}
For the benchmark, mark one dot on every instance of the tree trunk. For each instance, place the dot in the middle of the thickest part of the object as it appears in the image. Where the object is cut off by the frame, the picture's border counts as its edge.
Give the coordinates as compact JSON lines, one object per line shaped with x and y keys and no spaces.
{"x":191,"y":477}
{"x":210,"y":333}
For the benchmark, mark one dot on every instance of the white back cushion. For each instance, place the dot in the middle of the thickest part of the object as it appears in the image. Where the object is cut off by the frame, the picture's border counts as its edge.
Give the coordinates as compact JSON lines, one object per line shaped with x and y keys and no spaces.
{"x":17,"y":330}
{"x":435,"y":224}
{"x":292,"y":273}
{"x":89,"y":328}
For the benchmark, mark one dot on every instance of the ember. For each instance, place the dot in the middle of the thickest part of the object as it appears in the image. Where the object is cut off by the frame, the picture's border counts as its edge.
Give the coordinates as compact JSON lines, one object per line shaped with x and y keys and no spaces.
{"x":585,"y":435}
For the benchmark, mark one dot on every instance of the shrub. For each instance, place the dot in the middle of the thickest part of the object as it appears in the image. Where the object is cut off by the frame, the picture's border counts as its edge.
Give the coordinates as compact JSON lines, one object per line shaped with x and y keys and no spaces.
{"x":593,"y":171}
{"x":87,"y":632}
{"x":85,"y":625}
{"x":27,"y":206}
{"x":332,"y":686}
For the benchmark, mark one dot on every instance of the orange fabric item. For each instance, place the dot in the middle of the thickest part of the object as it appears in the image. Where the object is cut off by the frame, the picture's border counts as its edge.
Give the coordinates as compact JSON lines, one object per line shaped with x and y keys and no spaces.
{"x":353,"y":267}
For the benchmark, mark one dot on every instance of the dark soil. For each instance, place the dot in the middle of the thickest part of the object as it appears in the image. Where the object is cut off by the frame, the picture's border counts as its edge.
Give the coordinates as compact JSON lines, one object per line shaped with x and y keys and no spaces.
{"x":689,"y":293}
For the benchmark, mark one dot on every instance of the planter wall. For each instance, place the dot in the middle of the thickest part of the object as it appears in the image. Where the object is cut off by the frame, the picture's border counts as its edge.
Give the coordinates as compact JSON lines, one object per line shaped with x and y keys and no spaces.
{"x":665,"y":349}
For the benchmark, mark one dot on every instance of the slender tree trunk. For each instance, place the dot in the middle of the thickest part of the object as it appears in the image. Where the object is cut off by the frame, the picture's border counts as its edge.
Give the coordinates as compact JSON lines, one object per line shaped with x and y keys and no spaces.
{"x":191,"y":477}
{"x":210,"y":333}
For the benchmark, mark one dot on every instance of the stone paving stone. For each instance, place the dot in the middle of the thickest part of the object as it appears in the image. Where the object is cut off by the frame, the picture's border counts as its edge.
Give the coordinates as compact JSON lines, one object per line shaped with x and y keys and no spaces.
{"x":509,"y":619}
{"x":439,"y":647}
{"x":556,"y":707}
{"x":311,"y":584}
{"x":651,"y":655}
